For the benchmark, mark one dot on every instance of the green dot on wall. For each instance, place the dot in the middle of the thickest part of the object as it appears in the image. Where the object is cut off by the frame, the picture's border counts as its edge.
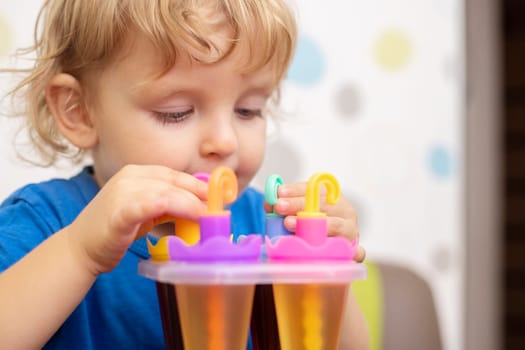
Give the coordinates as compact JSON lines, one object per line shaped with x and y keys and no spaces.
{"x":5,"y":37}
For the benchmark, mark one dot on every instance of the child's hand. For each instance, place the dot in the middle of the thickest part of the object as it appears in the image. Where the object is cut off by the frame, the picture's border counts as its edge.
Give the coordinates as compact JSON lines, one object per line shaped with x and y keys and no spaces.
{"x":342,"y":217}
{"x":134,"y":200}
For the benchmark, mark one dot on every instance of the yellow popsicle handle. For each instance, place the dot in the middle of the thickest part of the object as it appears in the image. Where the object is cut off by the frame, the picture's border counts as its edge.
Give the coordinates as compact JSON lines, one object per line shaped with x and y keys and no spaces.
{"x":313,"y":187}
{"x":159,"y":251}
{"x":222,"y":189}
{"x":187,"y":230}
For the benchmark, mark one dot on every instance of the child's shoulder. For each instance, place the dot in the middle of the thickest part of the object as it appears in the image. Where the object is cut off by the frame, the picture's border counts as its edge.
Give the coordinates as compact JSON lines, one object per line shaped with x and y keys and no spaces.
{"x":78,"y":186}
{"x":61,"y":198}
{"x":36,"y":211}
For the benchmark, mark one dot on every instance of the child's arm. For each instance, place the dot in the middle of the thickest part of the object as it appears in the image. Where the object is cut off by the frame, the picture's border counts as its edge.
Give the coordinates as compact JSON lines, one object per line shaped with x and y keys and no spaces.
{"x":342,"y":221}
{"x":354,"y":331}
{"x":41,"y":290}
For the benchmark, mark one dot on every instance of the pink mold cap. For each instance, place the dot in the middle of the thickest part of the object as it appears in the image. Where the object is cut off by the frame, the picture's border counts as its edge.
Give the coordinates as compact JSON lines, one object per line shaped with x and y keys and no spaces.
{"x":311,"y":241}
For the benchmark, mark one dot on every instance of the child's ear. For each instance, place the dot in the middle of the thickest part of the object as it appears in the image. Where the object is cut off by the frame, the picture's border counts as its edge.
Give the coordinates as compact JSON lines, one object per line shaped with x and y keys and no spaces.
{"x":66,"y":102}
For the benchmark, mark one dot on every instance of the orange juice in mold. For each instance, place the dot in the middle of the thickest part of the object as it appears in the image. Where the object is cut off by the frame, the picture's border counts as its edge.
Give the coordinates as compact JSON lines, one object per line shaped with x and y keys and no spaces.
{"x":309,"y":316}
{"x":215,"y":316}
{"x":212,"y":316}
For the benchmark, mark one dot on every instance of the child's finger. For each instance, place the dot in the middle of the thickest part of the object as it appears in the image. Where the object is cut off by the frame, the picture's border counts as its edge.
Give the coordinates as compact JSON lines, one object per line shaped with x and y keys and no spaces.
{"x":171,"y":201}
{"x":131,"y":205}
{"x":292,"y":190}
{"x":289,"y":206}
{"x":343,"y":209}
{"x":165,"y":174}
{"x":343,"y":227}
{"x":293,"y":205}
{"x":360,"y":254}
{"x":290,"y":222}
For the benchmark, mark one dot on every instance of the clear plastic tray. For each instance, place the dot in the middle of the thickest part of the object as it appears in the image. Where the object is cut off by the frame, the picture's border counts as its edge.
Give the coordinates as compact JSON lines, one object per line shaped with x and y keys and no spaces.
{"x":252,"y":273}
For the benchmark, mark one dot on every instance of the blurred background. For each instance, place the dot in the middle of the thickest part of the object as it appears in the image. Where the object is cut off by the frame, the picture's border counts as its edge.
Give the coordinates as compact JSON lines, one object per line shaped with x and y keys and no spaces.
{"x":415,"y":106}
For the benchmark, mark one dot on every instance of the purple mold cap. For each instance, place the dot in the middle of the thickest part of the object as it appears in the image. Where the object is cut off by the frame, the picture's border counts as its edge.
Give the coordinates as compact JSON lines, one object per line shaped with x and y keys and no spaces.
{"x":215,"y":227}
{"x":216,"y":249}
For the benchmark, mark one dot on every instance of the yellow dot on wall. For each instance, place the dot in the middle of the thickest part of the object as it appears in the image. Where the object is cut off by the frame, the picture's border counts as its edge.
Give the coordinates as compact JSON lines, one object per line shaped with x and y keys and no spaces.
{"x":5,"y":37}
{"x":393,"y":50}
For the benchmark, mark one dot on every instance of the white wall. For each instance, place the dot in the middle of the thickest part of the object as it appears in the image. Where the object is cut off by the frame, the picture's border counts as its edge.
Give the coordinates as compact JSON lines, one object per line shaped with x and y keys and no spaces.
{"x":16,"y":30}
{"x":375,"y":96}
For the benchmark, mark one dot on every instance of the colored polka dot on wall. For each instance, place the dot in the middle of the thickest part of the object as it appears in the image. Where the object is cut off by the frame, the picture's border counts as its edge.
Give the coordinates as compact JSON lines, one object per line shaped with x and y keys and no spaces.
{"x":441,"y":258}
{"x":393,"y":50}
{"x":440,"y":162}
{"x":5,"y":37}
{"x":348,"y":101}
{"x":308,"y":65}
{"x":281,"y":158}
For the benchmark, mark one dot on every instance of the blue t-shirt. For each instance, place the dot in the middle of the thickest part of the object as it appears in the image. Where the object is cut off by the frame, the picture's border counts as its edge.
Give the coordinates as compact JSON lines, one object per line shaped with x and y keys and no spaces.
{"x":121,"y":310}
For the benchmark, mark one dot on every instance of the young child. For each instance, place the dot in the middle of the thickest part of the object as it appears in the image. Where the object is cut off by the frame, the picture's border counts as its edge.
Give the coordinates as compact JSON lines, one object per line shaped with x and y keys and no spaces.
{"x":151,"y":92}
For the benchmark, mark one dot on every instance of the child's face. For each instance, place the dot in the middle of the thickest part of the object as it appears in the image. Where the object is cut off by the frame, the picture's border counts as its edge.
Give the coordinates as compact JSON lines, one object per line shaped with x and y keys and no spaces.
{"x":192,"y":119}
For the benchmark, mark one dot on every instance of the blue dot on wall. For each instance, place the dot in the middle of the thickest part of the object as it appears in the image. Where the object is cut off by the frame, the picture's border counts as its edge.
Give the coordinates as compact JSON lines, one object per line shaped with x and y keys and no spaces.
{"x":308,"y":64}
{"x":440,"y":161}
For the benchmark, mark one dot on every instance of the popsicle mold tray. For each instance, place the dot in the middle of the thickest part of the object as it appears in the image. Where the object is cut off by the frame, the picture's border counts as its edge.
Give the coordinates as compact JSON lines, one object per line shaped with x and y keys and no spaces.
{"x":206,"y":282}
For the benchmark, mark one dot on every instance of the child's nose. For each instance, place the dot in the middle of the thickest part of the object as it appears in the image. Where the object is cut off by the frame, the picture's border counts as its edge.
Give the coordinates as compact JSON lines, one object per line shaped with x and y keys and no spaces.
{"x":220,"y":138}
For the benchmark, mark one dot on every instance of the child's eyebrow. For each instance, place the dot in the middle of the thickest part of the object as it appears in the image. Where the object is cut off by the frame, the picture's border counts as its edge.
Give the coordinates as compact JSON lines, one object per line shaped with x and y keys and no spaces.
{"x":264,"y":91}
{"x":163,"y":90}
{"x":155,"y":90}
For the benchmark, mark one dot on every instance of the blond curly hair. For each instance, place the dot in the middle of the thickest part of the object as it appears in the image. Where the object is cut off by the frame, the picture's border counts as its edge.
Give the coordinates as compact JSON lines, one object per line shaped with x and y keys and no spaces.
{"x":81,"y":37}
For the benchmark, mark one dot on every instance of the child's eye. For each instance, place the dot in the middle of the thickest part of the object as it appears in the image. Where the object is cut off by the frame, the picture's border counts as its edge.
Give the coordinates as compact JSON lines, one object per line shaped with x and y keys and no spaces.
{"x":246,"y":113}
{"x":173,"y":117}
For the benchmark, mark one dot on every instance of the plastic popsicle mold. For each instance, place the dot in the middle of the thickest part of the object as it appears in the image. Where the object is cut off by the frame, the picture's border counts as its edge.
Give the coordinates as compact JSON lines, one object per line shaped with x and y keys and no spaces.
{"x":311,"y":241}
{"x":309,"y":315}
{"x":309,"y":273}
